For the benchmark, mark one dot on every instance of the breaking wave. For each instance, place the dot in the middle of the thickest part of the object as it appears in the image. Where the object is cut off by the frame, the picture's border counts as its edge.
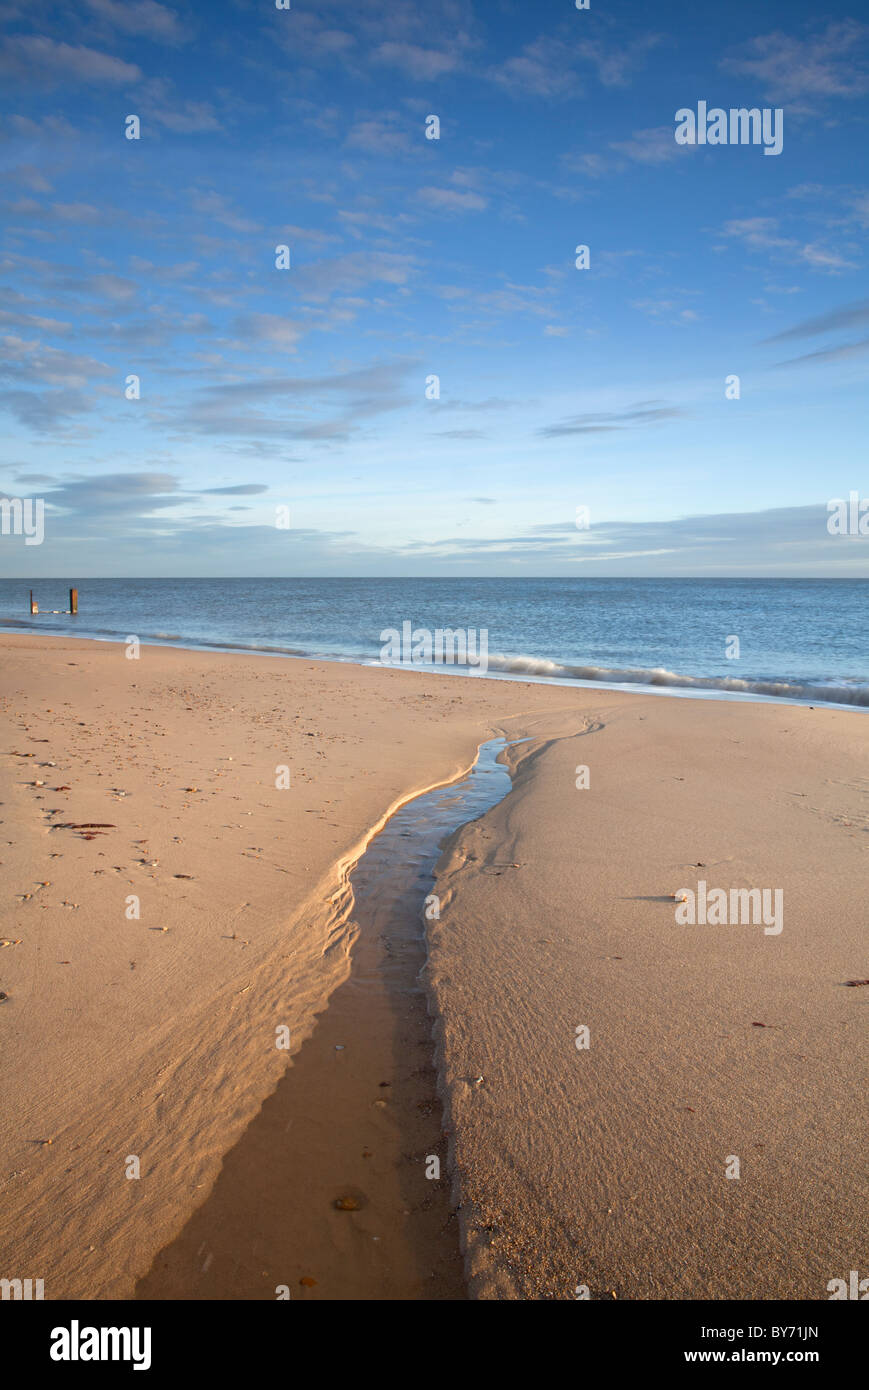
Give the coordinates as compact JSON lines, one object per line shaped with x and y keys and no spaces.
{"x":842,"y":692}
{"x":821,"y":690}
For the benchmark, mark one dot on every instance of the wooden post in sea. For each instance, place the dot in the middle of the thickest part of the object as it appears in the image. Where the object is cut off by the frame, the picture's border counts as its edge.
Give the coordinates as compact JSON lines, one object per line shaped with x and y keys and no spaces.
{"x":34,"y":606}
{"x":73,"y":601}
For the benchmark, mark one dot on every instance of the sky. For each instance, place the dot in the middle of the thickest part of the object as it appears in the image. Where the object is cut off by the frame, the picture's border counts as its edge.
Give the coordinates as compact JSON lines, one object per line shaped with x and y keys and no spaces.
{"x":432,"y":387}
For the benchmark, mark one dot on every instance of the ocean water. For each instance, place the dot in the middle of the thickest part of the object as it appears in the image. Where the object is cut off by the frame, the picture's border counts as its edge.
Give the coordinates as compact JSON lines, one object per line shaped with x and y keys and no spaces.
{"x":803,"y":639}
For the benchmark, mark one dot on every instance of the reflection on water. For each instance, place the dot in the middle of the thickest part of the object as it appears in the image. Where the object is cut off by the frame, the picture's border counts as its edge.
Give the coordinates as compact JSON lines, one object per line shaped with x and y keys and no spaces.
{"x":400,"y":861}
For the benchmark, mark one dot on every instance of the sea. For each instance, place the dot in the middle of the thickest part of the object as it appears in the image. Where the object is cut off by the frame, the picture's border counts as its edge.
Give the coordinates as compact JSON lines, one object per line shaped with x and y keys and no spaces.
{"x":799,"y":640}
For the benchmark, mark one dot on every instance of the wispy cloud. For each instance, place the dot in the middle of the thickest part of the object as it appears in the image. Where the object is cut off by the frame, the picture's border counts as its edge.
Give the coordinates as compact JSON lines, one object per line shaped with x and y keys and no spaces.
{"x":761,"y":234}
{"x":843,"y":353}
{"x":654,"y":145}
{"x":36,"y":57}
{"x":452,"y":200}
{"x":273,"y":329}
{"x":219,"y":208}
{"x":829,"y":64}
{"x":385,"y":134}
{"x":644,"y":413}
{"x":45,"y":387}
{"x":846,"y":316}
{"x":544,"y":68}
{"x":236,"y":490}
{"x":143,"y":18}
{"x":422,"y":63}
{"x":554,"y":67}
{"x":299,"y":408}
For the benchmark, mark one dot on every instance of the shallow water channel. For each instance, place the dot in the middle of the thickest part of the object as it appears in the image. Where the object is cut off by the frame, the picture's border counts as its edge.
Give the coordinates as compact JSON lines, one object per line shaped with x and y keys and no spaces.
{"x":326,"y":1194}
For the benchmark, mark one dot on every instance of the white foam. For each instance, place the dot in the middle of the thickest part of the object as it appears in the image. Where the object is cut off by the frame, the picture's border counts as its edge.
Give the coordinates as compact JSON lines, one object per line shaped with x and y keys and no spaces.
{"x":837,"y":692}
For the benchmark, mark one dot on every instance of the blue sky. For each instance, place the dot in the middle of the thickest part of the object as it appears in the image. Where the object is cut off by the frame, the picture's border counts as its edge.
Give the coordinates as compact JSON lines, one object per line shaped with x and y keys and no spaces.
{"x":411,"y":257}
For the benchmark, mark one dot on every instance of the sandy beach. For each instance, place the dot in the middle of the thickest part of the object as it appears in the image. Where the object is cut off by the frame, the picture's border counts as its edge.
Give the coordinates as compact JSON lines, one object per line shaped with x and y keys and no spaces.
{"x":177,"y":833}
{"x":606,"y":1168}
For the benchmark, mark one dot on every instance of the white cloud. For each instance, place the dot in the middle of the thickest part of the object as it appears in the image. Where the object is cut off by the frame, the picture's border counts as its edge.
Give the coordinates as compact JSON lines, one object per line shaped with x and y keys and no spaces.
{"x":422,"y":63}
{"x":451,"y":200}
{"x":35,"y":55}
{"x":143,"y":17}
{"x":825,"y":65}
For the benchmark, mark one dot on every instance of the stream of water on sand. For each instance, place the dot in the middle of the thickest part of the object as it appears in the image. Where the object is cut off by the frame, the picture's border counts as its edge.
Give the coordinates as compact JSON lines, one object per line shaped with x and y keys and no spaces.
{"x":326,"y":1191}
